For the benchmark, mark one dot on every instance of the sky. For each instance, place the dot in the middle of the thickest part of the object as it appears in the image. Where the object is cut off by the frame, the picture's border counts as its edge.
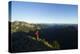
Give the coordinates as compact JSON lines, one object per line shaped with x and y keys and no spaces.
{"x":44,"y":12}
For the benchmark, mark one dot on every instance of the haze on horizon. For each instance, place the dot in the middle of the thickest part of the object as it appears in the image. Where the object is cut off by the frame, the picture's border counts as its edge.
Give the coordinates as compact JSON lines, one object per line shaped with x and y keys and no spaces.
{"x":44,"y":13}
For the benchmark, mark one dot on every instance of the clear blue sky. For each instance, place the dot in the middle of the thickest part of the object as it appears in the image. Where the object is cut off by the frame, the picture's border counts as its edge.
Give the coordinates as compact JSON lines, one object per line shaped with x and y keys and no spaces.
{"x":44,"y":13}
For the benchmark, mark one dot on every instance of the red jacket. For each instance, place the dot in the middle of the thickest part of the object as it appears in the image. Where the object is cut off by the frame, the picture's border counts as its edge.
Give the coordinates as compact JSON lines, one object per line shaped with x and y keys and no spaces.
{"x":37,"y":34}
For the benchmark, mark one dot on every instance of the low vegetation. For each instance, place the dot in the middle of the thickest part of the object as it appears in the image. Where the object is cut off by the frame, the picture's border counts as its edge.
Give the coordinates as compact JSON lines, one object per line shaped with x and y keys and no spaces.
{"x":29,"y":29}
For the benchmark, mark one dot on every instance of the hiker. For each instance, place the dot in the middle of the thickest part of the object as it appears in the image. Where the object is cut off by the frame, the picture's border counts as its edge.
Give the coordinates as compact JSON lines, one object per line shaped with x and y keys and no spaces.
{"x":37,"y":35}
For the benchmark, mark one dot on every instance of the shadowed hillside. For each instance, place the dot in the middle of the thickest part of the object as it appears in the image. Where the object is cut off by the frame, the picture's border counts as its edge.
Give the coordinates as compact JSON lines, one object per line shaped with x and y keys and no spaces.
{"x":51,"y":36}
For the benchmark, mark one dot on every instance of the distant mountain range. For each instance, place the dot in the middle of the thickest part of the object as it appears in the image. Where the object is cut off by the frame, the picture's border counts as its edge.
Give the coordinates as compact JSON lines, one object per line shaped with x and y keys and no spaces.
{"x":24,"y":26}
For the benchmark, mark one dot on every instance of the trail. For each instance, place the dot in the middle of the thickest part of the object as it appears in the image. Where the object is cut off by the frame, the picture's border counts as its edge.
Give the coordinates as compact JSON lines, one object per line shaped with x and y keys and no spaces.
{"x":43,"y":41}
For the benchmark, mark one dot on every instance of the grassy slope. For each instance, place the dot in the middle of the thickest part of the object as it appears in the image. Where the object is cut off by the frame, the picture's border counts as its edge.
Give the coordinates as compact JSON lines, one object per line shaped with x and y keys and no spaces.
{"x":55,"y":45}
